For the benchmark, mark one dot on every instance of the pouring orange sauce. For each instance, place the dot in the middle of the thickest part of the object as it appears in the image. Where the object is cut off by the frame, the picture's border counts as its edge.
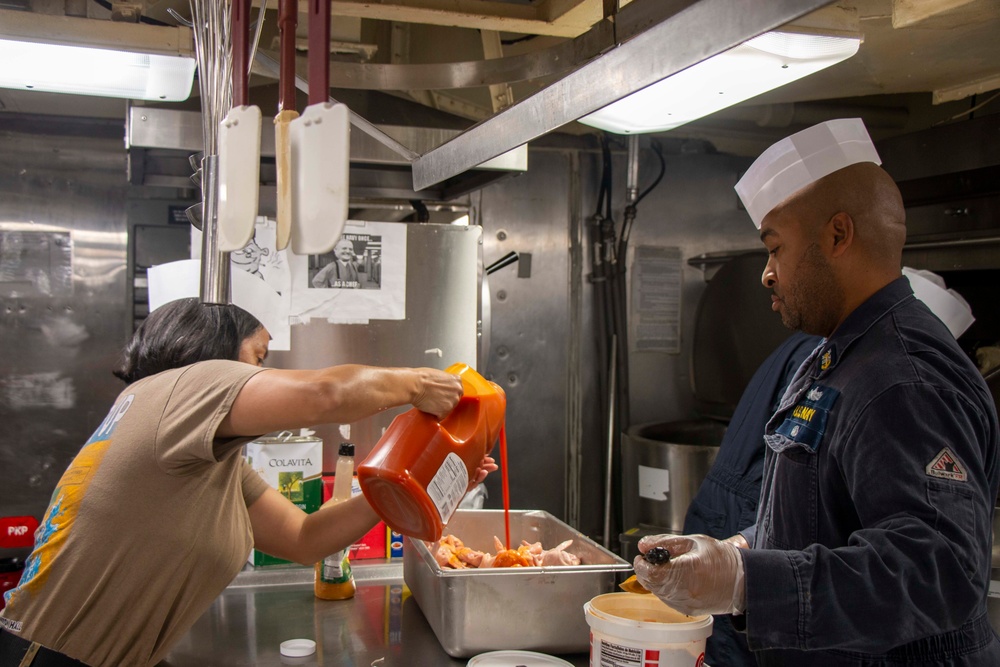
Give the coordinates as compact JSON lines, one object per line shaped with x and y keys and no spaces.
{"x":505,"y":483}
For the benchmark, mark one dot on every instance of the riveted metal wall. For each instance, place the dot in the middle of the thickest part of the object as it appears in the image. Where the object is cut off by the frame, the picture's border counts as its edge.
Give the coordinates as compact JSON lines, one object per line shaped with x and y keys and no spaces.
{"x":529,"y":325}
{"x":63,"y":316}
{"x":541,"y":325}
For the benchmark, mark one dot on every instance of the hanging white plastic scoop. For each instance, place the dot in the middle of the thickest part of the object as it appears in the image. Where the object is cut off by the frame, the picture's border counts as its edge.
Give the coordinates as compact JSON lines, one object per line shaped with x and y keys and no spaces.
{"x":287,"y":20}
{"x":239,"y":146}
{"x":320,"y":141}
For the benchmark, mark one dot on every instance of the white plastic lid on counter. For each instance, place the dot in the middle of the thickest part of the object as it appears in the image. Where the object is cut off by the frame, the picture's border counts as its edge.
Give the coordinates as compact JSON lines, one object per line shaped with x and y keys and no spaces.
{"x":298,"y":648}
{"x":947,"y":304}
{"x":801,"y":159}
{"x":518,"y":658}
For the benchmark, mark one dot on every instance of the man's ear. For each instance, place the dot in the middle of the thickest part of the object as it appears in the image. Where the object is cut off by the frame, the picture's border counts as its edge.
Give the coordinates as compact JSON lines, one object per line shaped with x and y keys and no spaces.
{"x":840,"y":229}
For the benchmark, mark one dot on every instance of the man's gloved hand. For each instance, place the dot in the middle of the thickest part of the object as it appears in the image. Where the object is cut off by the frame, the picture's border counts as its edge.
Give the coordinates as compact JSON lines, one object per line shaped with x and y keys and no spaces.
{"x":703,"y":576}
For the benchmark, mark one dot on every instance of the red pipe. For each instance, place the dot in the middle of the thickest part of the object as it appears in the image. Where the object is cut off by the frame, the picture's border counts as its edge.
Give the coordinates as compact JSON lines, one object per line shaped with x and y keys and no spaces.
{"x":319,"y":51}
{"x":288,"y":18}
{"x":241,"y":52}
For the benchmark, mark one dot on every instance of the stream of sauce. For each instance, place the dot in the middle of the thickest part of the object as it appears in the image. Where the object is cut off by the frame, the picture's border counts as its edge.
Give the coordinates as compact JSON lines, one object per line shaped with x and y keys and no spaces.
{"x":506,"y":485}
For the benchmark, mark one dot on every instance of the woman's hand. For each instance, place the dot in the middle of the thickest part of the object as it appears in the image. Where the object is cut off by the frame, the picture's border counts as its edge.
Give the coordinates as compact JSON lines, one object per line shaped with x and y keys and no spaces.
{"x":439,"y":392}
{"x":486,"y":466}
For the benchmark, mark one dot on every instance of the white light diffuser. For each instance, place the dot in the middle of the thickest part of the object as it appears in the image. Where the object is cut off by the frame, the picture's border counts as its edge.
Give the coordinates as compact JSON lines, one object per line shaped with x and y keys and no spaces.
{"x":754,"y":67}
{"x":82,"y":70}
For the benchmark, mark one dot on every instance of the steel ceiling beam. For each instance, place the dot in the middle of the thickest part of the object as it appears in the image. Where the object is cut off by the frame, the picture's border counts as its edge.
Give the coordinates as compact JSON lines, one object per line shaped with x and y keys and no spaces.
{"x":552,"y":61}
{"x":693,"y":34}
{"x":559,"y":18}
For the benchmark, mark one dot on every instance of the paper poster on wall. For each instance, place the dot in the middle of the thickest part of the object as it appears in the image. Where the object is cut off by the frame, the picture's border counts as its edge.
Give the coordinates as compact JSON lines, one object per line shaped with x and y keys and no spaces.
{"x":182,"y":279}
{"x":260,"y":281}
{"x":363,"y":278}
{"x":262,"y":259}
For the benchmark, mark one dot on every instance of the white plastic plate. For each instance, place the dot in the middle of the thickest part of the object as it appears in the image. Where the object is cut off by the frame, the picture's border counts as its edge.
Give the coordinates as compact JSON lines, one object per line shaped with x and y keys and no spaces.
{"x":516,"y":659}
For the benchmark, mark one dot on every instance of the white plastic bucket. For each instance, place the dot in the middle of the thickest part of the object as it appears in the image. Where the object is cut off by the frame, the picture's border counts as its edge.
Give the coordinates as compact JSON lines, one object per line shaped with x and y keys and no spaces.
{"x":631,"y":630}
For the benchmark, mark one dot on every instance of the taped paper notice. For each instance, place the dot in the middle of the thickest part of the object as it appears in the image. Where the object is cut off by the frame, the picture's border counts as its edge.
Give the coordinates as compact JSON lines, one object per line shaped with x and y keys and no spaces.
{"x":655,"y":322}
{"x":180,"y":280}
{"x":654,"y":483}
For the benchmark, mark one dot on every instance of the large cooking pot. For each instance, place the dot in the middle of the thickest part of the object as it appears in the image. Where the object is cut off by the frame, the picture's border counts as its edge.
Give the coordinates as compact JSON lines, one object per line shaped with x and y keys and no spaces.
{"x":663,"y":466}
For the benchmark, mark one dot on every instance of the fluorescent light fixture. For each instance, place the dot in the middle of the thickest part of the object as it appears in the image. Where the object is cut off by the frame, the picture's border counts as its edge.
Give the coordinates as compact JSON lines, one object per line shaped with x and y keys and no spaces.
{"x":754,"y":67}
{"x":58,"y":68}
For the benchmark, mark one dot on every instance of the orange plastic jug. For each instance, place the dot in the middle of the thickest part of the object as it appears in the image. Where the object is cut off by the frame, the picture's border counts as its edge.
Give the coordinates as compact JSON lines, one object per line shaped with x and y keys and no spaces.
{"x":420,"y":469}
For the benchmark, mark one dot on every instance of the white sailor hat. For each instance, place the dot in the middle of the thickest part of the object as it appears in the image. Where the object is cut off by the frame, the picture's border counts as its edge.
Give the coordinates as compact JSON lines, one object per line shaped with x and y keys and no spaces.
{"x":947,"y":304}
{"x":801,"y":159}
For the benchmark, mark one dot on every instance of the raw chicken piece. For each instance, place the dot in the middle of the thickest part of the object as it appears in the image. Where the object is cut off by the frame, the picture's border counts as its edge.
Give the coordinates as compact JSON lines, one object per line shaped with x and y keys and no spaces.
{"x":559,"y":556}
{"x":519,"y":557}
{"x":470,"y":557}
{"x":556,"y":556}
{"x":445,"y":557}
{"x":452,"y":552}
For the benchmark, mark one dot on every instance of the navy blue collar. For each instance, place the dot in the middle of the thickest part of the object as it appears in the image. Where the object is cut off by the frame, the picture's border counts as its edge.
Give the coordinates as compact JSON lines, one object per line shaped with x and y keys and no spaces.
{"x":862,"y":319}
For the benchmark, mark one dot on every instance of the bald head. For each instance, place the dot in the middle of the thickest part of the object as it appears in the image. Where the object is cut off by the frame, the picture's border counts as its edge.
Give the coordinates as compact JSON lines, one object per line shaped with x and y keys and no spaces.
{"x":344,"y":250}
{"x":867,"y":194}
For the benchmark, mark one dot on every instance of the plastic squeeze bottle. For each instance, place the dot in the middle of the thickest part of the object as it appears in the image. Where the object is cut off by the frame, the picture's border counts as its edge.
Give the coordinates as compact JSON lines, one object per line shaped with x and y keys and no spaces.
{"x":334,"y":580}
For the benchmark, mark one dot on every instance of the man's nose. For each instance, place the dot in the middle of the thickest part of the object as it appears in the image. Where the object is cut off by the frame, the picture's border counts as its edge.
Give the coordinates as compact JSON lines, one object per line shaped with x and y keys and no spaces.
{"x":768,"y":278}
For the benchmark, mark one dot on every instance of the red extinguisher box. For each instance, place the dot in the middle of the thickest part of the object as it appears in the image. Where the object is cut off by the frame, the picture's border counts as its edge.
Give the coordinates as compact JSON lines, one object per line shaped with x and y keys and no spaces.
{"x":10,"y":574}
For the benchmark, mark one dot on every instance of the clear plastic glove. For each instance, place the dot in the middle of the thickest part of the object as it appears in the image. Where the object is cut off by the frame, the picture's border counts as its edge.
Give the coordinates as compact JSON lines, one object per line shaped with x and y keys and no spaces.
{"x":703,"y":576}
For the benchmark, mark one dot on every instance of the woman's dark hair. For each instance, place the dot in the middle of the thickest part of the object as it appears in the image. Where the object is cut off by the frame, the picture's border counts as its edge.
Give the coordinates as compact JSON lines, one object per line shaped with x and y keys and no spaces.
{"x":183,"y":332}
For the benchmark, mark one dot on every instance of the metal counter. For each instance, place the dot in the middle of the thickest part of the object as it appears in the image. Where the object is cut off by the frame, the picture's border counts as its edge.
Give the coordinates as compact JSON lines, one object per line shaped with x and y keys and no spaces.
{"x":382,"y":625}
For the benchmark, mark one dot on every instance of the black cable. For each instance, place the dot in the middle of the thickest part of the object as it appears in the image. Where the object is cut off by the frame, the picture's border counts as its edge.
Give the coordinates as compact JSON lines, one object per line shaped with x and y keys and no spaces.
{"x":663,"y":169}
{"x":420,"y":209}
{"x":631,"y":210}
{"x":602,"y":190}
{"x":508,"y":42}
{"x":143,"y":19}
{"x":608,"y":162}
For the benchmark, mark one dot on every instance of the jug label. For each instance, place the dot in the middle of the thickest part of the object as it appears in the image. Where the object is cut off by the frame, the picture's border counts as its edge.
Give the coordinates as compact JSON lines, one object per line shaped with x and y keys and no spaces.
{"x":449,"y":485}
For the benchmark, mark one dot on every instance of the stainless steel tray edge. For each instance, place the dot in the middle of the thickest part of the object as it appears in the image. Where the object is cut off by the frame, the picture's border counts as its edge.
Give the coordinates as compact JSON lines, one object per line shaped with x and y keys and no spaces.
{"x":532,"y":608}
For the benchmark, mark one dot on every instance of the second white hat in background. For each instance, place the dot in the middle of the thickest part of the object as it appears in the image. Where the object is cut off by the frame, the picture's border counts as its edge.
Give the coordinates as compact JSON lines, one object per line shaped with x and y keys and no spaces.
{"x":947,"y":304}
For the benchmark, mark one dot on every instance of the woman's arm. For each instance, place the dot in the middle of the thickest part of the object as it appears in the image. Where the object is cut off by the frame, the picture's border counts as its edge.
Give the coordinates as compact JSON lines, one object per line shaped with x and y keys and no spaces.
{"x":283,"y":530}
{"x":277,"y":400}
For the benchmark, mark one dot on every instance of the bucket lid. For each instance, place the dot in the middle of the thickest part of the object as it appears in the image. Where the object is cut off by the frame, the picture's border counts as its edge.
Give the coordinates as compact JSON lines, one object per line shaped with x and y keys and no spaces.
{"x":285,"y":438}
{"x":297,"y":648}
{"x":508,"y":658}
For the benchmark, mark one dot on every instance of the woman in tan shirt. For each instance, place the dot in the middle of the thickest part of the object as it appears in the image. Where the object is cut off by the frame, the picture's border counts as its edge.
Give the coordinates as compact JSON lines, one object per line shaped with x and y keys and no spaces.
{"x":156,"y":514}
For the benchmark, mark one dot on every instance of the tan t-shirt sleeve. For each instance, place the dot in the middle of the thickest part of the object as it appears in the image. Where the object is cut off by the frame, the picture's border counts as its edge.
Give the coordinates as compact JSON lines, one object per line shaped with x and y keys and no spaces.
{"x":198,"y":401}
{"x":253,"y":484}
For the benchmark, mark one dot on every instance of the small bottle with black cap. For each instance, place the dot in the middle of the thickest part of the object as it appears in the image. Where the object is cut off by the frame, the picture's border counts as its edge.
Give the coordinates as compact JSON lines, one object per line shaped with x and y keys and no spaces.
{"x":334,"y":580}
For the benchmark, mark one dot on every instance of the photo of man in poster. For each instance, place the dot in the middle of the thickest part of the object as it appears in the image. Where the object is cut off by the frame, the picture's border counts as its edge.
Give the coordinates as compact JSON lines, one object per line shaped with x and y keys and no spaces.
{"x":348,"y":266}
